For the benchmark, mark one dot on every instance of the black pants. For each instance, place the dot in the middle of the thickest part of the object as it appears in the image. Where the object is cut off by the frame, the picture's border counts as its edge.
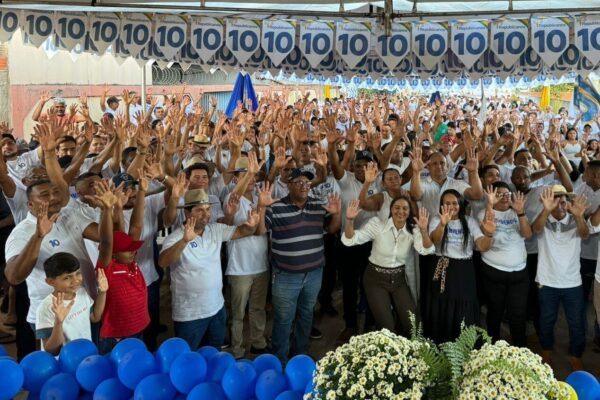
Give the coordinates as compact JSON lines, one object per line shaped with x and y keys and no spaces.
{"x":506,"y":292}
{"x":25,"y":335}
{"x":330,"y":269}
{"x":533,"y":304}
{"x":355,"y":259}
{"x":150,"y":334}
{"x":588,"y":269}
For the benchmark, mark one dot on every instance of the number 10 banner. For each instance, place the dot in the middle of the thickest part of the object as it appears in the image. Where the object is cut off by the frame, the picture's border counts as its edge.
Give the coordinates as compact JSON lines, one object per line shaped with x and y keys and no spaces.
{"x":352,"y":42}
{"x":587,"y":36}
{"x":278,"y":39}
{"x":549,"y":38}
{"x":469,"y":41}
{"x":430,"y":42}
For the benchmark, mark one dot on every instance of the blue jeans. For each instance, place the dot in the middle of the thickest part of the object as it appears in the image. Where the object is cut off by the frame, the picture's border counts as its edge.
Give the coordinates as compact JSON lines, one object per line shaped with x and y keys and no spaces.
{"x":193,"y":331}
{"x":294,"y":294}
{"x":574,"y":306}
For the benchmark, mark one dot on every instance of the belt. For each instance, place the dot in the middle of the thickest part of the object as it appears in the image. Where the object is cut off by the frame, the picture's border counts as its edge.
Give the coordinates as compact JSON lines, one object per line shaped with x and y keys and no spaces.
{"x":388,"y":271}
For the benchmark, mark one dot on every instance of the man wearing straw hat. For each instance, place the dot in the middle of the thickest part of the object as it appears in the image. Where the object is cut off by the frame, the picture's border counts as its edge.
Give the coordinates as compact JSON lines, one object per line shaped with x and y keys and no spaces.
{"x":193,"y":252}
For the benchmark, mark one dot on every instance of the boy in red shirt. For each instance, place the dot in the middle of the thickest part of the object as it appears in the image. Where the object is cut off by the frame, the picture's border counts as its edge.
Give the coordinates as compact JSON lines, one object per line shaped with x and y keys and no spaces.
{"x":126,"y":311}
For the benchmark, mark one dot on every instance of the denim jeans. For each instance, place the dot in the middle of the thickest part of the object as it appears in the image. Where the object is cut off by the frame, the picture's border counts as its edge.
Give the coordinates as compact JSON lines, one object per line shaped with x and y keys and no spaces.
{"x":572,"y":301}
{"x":294,"y":295}
{"x":213,"y":327}
{"x":150,"y":334}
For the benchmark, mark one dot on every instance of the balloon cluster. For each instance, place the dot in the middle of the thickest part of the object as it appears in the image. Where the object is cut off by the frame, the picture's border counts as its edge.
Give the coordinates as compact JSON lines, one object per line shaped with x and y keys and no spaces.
{"x":583,"y":386}
{"x":130,"y":371}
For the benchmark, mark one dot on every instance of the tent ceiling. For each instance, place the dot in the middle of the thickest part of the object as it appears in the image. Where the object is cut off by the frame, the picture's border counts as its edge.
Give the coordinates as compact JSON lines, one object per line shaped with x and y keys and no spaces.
{"x":328,"y":8}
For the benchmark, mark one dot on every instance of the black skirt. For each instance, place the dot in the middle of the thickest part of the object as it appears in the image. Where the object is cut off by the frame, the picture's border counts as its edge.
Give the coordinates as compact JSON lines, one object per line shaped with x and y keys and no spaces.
{"x":452,"y":300}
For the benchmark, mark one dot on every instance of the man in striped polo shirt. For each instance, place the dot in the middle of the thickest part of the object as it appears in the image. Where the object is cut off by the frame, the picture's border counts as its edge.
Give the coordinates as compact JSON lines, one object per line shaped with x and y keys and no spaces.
{"x":297,"y":224}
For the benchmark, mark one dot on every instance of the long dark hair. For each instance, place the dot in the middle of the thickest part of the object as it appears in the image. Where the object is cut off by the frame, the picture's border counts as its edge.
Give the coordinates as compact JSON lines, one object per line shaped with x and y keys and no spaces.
{"x":461,"y":217}
{"x":410,"y":222}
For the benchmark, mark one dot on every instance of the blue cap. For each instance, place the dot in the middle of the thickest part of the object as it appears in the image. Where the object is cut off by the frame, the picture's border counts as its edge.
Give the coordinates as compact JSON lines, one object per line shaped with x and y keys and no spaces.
{"x":125,"y":178}
{"x":364,"y":155}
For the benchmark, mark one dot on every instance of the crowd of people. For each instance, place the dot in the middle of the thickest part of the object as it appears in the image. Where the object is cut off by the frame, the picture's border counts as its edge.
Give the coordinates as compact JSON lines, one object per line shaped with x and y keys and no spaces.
{"x":439,"y":208}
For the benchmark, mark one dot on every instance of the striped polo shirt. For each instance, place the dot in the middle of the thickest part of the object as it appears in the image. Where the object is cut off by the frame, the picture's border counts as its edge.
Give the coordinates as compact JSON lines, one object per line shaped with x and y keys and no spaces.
{"x":296,"y":235}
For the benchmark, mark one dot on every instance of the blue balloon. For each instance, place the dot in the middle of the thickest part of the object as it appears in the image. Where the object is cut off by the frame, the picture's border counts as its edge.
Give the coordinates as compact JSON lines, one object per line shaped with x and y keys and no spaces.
{"x":207,"y":390}
{"x":218,"y":364}
{"x":155,"y":387}
{"x":207,"y":352}
{"x":93,"y":370}
{"x":585,"y":384}
{"x":124,"y":347}
{"x":310,"y":386}
{"x":239,"y":381}
{"x":187,"y":371}
{"x":270,"y":384}
{"x":169,"y":351}
{"x":11,"y":379}
{"x":135,"y":366}
{"x":73,"y":353}
{"x":299,"y":370}
{"x":38,"y":367}
{"x":62,"y":386}
{"x":112,"y":389}
{"x":290,"y":395}
{"x":265,"y":362}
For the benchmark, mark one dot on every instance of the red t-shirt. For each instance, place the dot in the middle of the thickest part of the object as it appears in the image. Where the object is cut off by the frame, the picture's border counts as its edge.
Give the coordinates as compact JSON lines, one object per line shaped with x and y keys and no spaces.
{"x":126,"y":310}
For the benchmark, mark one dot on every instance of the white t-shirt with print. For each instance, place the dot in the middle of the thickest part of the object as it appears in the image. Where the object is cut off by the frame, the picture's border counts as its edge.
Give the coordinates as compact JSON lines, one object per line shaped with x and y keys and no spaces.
{"x":20,"y":167}
{"x":196,"y":283}
{"x":454,"y":241}
{"x":75,"y":326}
{"x":508,"y":251}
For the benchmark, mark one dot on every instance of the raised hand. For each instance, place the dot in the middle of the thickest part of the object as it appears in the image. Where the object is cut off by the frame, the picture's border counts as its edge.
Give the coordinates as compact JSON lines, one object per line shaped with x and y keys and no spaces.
{"x":280,"y":158}
{"x":416,"y":157}
{"x":578,"y":206}
{"x":253,"y":165}
{"x":253,"y":218}
{"x":334,"y":204}
{"x":445,"y":214}
{"x":265,"y":197}
{"x":122,"y":195}
{"x":59,"y":309}
{"x":45,"y":137}
{"x":5,"y":128}
{"x":472,"y":163}
{"x":143,"y":181}
{"x":189,"y":232}
{"x":232,"y":205}
{"x":321,"y":157}
{"x":181,"y":186}
{"x":371,"y":172}
{"x":155,"y":171}
{"x":488,"y":225}
{"x":548,"y":199}
{"x":422,"y":220}
{"x":518,"y":202}
{"x":101,"y":280}
{"x":104,"y":195}
{"x":353,"y":209}
{"x":45,"y":96}
{"x":490,"y":195}
{"x":44,"y":224}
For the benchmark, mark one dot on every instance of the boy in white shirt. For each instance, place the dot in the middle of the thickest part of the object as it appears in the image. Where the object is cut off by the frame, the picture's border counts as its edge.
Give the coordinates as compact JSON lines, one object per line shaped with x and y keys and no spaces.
{"x":64,"y":315}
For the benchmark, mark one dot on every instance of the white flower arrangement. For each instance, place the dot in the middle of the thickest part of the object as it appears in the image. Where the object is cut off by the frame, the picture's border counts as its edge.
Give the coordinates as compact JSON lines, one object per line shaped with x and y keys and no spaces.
{"x":500,"y":371}
{"x":376,"y":365}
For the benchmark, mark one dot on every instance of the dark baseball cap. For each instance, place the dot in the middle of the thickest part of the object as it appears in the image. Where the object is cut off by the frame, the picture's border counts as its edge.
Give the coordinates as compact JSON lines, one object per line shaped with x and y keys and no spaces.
{"x":297,"y":173}
{"x":364,"y":155}
{"x":125,"y":178}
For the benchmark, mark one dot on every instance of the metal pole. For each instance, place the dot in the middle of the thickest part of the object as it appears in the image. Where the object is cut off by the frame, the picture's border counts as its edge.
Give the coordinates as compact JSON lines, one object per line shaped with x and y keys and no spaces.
{"x":143,"y":98}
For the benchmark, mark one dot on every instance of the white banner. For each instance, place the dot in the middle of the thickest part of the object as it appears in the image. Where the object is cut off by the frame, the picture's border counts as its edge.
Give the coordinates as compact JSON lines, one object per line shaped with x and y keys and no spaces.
{"x":170,"y":34}
{"x":243,"y":38}
{"x":469,"y":41}
{"x":278,"y":39}
{"x":549,"y":38}
{"x":136,"y":32}
{"x":104,"y":31}
{"x":9,"y":23}
{"x":316,"y":41}
{"x":429,"y":42}
{"x":509,"y":39}
{"x":392,"y":49}
{"x":206,"y":36}
{"x":37,"y":26}
{"x":587,"y":36}
{"x":352,"y":41}
{"x":71,"y":28}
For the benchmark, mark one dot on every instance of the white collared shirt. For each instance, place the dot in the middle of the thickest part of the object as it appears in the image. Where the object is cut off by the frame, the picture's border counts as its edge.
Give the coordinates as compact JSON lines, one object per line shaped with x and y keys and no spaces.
{"x":196,"y":283}
{"x":391,"y":247}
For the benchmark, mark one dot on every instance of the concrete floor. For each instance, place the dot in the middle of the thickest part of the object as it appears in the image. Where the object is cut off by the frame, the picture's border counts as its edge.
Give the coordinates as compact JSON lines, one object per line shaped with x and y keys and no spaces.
{"x":332,"y":326}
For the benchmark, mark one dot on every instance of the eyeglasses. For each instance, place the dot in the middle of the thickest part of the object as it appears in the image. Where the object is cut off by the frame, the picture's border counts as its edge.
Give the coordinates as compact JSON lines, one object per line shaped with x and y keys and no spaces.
{"x":301,"y":183}
{"x":503,"y":194}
